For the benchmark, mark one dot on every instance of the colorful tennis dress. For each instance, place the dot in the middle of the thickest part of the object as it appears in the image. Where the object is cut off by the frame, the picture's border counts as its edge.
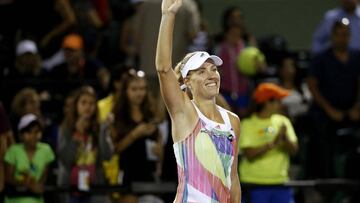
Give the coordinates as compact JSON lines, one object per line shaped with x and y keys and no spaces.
{"x":204,"y":161}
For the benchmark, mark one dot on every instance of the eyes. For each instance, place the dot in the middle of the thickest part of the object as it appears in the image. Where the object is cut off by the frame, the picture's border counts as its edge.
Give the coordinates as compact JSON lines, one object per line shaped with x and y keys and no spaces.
{"x":202,"y":71}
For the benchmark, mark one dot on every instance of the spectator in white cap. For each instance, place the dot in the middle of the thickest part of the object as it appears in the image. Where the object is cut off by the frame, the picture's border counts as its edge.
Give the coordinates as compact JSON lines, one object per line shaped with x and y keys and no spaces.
{"x":205,"y":135}
{"x":26,"y":71}
{"x":26,"y":162}
{"x":28,"y":60}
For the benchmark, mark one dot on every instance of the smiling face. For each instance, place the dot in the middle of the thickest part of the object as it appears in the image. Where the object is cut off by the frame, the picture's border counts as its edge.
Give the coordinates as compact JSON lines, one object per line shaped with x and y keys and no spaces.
{"x":204,"y":81}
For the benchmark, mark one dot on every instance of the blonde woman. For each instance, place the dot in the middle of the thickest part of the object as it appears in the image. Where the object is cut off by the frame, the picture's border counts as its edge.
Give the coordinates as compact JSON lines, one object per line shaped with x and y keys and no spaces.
{"x":205,"y":135}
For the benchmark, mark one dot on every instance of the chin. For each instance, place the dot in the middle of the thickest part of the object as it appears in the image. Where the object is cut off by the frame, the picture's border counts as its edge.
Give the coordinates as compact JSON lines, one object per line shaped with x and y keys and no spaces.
{"x":213,"y":94}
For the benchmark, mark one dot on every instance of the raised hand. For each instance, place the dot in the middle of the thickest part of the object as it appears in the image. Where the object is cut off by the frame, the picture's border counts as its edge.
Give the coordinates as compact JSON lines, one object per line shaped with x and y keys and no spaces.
{"x":170,"y":6}
{"x":281,"y":136}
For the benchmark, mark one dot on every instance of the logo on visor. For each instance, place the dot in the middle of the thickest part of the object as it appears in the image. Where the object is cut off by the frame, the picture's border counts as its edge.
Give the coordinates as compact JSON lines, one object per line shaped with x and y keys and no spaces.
{"x":202,"y":54}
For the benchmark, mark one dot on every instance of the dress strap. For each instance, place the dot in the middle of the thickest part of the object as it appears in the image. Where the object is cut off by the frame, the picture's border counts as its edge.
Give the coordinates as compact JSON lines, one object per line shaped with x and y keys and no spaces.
{"x":224,"y":115}
{"x":201,"y":116}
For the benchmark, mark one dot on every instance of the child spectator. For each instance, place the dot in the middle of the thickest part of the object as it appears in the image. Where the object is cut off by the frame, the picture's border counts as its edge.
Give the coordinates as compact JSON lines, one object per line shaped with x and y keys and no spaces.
{"x":267,"y":139}
{"x":83,"y":146}
{"x":26,"y":163}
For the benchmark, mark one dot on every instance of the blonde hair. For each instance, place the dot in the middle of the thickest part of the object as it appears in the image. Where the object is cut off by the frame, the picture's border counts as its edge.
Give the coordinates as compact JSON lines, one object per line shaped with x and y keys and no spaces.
{"x":21,"y":98}
{"x":179,"y":66}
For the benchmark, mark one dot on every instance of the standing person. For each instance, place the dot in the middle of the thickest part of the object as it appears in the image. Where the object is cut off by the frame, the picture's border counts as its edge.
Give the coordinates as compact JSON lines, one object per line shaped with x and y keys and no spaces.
{"x":83,"y":146}
{"x":136,"y":134}
{"x":334,"y":82}
{"x":348,"y":12}
{"x":26,"y":163}
{"x":267,"y":140}
{"x":106,"y":104}
{"x":205,"y":135}
{"x":236,"y":86}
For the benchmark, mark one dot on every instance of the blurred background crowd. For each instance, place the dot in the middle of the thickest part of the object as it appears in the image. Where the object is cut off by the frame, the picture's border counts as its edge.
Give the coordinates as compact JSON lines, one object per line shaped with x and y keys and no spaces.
{"x":79,"y":77}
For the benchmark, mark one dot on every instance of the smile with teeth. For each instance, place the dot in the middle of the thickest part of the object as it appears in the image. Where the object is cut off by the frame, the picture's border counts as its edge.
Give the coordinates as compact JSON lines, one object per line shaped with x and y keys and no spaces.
{"x":212,"y":84}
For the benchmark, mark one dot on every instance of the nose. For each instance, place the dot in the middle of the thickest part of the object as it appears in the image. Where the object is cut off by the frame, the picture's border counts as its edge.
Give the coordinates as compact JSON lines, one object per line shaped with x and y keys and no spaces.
{"x":212,"y":74}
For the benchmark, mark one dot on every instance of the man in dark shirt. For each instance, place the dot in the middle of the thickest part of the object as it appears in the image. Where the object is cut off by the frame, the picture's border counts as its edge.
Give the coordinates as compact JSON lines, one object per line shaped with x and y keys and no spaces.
{"x":334,"y":83}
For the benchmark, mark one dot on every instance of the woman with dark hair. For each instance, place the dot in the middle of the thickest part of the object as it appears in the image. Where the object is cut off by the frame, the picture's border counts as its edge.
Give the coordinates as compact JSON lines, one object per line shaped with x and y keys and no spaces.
{"x":136,"y":134}
{"x":83,"y":146}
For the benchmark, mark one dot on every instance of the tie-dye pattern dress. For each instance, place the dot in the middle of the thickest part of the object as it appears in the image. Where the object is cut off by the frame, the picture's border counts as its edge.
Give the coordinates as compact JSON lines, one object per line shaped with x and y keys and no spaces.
{"x":204,"y":161}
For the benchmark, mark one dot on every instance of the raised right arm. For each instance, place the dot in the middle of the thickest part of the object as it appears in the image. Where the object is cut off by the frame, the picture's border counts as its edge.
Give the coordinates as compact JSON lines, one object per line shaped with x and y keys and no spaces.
{"x":173,"y":97}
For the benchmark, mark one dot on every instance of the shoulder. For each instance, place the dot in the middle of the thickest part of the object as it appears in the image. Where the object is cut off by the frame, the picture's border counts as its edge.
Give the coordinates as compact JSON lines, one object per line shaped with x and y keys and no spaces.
{"x":44,"y":147}
{"x":333,"y":14}
{"x":14,"y":151}
{"x":279,"y":117}
{"x":232,"y":115}
{"x":234,"y":119}
{"x":358,"y":11}
{"x":355,"y":52}
{"x":14,"y":148}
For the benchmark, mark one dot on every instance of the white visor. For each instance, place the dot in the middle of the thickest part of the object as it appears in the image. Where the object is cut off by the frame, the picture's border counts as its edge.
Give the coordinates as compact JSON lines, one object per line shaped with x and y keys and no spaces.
{"x":26,"y":46}
{"x":26,"y":120}
{"x":197,"y":60}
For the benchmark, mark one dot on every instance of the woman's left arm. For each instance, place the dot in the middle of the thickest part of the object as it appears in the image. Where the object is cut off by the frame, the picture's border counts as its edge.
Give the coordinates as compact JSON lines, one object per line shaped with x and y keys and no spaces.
{"x":235,"y":190}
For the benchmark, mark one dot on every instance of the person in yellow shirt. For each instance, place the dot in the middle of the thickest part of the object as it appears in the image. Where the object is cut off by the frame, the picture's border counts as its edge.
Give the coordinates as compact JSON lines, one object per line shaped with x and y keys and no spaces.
{"x":267,"y":140}
{"x":105,"y":105}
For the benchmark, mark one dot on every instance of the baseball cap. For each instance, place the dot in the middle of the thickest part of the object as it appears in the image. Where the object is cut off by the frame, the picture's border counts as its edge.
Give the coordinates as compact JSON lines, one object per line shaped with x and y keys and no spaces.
{"x":26,"y":120}
{"x":268,"y":91}
{"x":72,"y":41}
{"x":196,"y":60}
{"x":26,"y":46}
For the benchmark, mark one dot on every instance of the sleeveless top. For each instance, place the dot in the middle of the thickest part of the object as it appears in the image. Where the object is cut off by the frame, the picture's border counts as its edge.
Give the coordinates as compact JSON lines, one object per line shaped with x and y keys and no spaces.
{"x":204,"y":161}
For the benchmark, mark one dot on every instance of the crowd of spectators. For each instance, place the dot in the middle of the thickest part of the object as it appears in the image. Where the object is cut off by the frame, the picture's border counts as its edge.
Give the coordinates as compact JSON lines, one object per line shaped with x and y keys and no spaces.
{"x":80,"y":102}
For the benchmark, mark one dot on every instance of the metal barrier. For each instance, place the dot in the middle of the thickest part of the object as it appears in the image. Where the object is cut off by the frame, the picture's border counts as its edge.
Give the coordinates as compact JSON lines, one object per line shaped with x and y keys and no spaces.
{"x":170,"y":187}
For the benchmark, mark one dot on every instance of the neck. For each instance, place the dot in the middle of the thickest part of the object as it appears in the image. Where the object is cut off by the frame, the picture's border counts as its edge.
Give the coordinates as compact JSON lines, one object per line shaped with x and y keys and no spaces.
{"x":341,"y":54}
{"x":350,"y":11}
{"x":264,"y":114}
{"x":135,"y":107}
{"x":29,"y":148}
{"x":288,"y":83}
{"x":116,"y":94}
{"x":207,"y":107}
{"x":136,"y":113}
{"x":340,"y":50}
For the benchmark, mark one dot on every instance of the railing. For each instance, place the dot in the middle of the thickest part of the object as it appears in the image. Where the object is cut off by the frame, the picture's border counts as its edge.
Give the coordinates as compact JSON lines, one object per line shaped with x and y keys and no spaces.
{"x":170,"y":187}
